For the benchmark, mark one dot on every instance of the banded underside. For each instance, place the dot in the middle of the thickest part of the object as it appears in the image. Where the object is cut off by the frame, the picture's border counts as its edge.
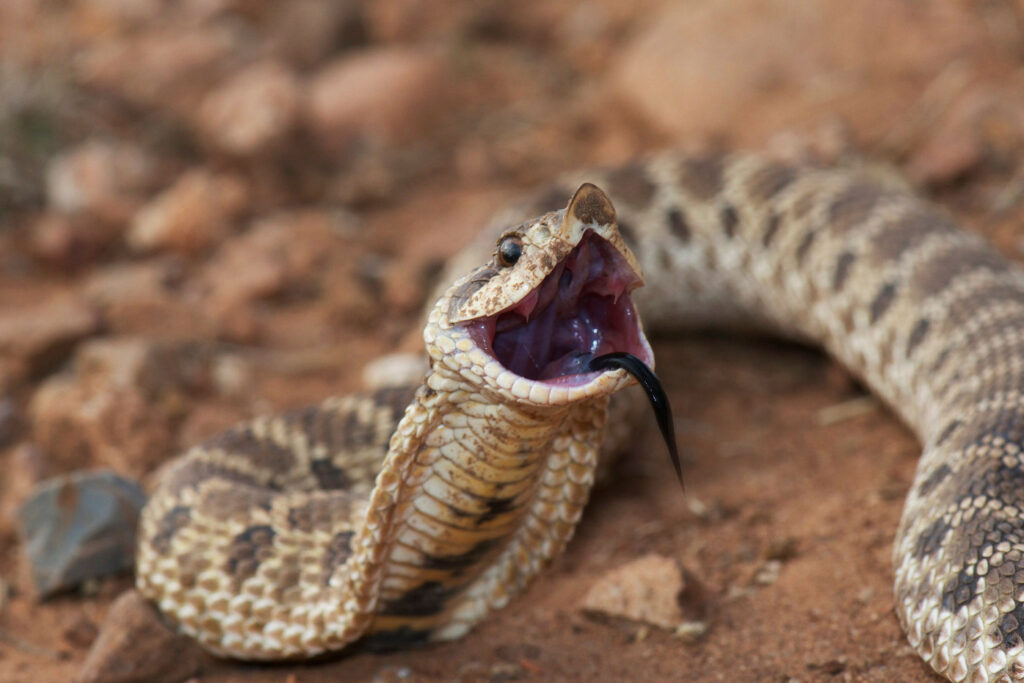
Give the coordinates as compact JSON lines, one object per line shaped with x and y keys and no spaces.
{"x":928,"y":315}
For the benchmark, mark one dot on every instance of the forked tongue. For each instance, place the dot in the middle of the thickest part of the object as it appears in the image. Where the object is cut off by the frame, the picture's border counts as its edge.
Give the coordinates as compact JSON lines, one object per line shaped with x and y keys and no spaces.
{"x":655,"y":394}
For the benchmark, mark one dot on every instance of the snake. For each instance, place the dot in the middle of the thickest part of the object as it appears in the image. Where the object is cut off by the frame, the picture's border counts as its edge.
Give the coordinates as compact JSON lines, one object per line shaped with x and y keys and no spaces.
{"x":408,"y":514}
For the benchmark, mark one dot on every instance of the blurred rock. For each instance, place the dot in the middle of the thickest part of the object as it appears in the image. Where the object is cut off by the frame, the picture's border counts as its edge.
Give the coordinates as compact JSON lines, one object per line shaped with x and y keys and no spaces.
{"x":70,"y":241}
{"x":24,"y":468}
{"x":305,"y":32}
{"x":39,"y":337}
{"x":251,"y":112}
{"x":99,"y":178}
{"x":699,"y":69}
{"x":391,"y":95}
{"x":119,"y":405}
{"x":278,"y":253}
{"x":80,"y":633}
{"x":78,"y":527}
{"x":10,"y":421}
{"x":168,"y":68}
{"x":147,"y":298}
{"x":134,"y":646}
{"x":649,"y":590}
{"x":194,"y":213}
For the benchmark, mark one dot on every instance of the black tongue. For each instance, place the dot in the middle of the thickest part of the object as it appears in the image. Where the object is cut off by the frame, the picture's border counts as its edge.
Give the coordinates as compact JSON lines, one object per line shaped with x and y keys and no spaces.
{"x":655,"y":394}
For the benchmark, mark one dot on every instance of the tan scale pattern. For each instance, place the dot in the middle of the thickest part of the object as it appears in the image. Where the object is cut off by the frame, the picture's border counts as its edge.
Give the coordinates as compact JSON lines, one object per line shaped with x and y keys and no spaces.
{"x":928,"y":315}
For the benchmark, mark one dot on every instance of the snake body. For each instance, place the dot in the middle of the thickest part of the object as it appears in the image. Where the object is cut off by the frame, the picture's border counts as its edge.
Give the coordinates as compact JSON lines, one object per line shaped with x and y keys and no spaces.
{"x":364,"y":518}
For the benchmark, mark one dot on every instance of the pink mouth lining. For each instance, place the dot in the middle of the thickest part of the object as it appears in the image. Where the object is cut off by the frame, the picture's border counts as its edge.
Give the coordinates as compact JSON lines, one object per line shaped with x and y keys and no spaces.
{"x":581,"y":310}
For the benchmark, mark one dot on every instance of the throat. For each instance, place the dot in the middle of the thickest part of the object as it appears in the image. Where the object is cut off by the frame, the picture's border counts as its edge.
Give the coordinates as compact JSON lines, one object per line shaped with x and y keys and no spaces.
{"x":485,"y":474}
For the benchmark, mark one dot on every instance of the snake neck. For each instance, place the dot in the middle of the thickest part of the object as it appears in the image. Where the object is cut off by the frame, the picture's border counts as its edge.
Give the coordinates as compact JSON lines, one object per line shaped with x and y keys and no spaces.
{"x":491,"y":492}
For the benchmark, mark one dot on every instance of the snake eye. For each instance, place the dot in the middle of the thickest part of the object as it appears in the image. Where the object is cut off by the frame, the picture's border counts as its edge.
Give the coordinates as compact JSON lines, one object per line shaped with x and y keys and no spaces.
{"x":509,"y":251}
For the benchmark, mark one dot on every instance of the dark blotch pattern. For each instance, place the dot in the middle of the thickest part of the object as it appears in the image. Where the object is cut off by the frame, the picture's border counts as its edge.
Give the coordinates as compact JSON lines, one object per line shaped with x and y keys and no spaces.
{"x":804,"y":247}
{"x":918,"y":334}
{"x":328,"y":475}
{"x":702,"y":176}
{"x":678,"y":226}
{"x":852,"y":206}
{"x":337,"y":554}
{"x":932,"y":481}
{"x":931,"y":538}
{"x":905,"y":233}
{"x":176,"y":518}
{"x":959,"y":590}
{"x":592,"y":207}
{"x":882,"y":301}
{"x":629,"y":184}
{"x":770,"y":180}
{"x":263,"y":453}
{"x":424,"y":600}
{"x":771,"y":228}
{"x":843,"y":265}
{"x":729,"y":220}
{"x":248,"y":549}
{"x":937,"y":273}
{"x":496,"y":507}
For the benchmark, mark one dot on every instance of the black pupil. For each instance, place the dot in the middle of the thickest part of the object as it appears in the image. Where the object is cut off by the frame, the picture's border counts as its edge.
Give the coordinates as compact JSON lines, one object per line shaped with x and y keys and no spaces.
{"x":510,"y":251}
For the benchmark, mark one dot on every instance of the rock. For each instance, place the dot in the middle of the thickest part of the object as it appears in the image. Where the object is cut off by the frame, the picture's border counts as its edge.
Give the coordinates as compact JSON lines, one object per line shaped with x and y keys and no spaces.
{"x":40,"y":336}
{"x":119,"y":404}
{"x":278,"y":253}
{"x":80,"y":526}
{"x":392,"y":95}
{"x":165,"y":67}
{"x":99,"y":178}
{"x":252,"y":112}
{"x":700,"y":69}
{"x":80,"y":633}
{"x":147,"y":298}
{"x":70,"y":241}
{"x":134,"y":646}
{"x":651,"y":589}
{"x":194,"y":213}
{"x":10,"y":422}
{"x":306,"y":32}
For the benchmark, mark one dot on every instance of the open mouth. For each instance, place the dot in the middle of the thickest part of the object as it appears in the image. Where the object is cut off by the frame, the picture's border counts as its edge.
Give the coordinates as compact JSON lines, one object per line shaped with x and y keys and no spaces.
{"x":580,"y":311}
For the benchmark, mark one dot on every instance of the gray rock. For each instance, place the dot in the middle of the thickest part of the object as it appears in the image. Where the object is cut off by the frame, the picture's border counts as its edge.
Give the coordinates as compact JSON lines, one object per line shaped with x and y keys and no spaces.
{"x":80,"y":526}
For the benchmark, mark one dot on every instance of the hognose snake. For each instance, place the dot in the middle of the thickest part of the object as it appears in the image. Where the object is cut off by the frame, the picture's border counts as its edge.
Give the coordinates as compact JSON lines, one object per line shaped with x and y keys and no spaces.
{"x":409,"y":514}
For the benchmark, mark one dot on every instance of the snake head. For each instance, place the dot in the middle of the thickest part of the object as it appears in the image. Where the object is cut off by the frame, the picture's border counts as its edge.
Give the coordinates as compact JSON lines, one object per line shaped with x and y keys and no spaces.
{"x":555,"y":294}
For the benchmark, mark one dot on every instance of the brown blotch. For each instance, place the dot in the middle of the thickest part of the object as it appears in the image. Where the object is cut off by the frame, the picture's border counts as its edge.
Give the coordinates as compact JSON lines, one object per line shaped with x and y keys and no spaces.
{"x":931,"y":539}
{"x":932,"y":481}
{"x":853,"y":206}
{"x":918,"y":334}
{"x":196,"y":470}
{"x":908,"y":231}
{"x":235,"y":503}
{"x":702,"y":176}
{"x":771,"y":228}
{"x":247,"y":550}
{"x":842,"y":271}
{"x":467,"y":289}
{"x":769,"y":180}
{"x":263,"y":453}
{"x":882,"y":301}
{"x":590,"y":205}
{"x":176,"y":518}
{"x":338,"y":552}
{"x":677,"y":224}
{"x":630,"y":184}
{"x":729,"y":219}
{"x":804,"y":247}
{"x":937,"y":274}
{"x":328,"y":475}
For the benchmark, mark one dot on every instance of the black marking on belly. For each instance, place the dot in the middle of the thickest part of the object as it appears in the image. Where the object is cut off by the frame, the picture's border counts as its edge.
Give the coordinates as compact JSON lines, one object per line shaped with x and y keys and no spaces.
{"x":772,"y":225}
{"x":947,"y":431}
{"x":678,"y":225}
{"x":918,"y":334}
{"x":402,"y":638}
{"x":425,"y":600}
{"x":496,"y":507}
{"x":459,"y":563}
{"x":1010,"y":628}
{"x":842,"y":271}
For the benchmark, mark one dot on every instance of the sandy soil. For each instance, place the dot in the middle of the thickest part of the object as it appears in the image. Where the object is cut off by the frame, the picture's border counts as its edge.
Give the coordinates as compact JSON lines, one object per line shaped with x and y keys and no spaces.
{"x":310,"y":241}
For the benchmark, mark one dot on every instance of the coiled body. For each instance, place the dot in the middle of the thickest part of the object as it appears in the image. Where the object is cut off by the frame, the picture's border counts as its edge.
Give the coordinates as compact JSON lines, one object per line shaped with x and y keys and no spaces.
{"x":928,"y":315}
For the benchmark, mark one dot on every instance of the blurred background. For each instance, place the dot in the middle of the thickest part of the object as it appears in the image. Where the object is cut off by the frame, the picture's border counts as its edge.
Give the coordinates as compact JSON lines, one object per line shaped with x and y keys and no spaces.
{"x":211,"y":209}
